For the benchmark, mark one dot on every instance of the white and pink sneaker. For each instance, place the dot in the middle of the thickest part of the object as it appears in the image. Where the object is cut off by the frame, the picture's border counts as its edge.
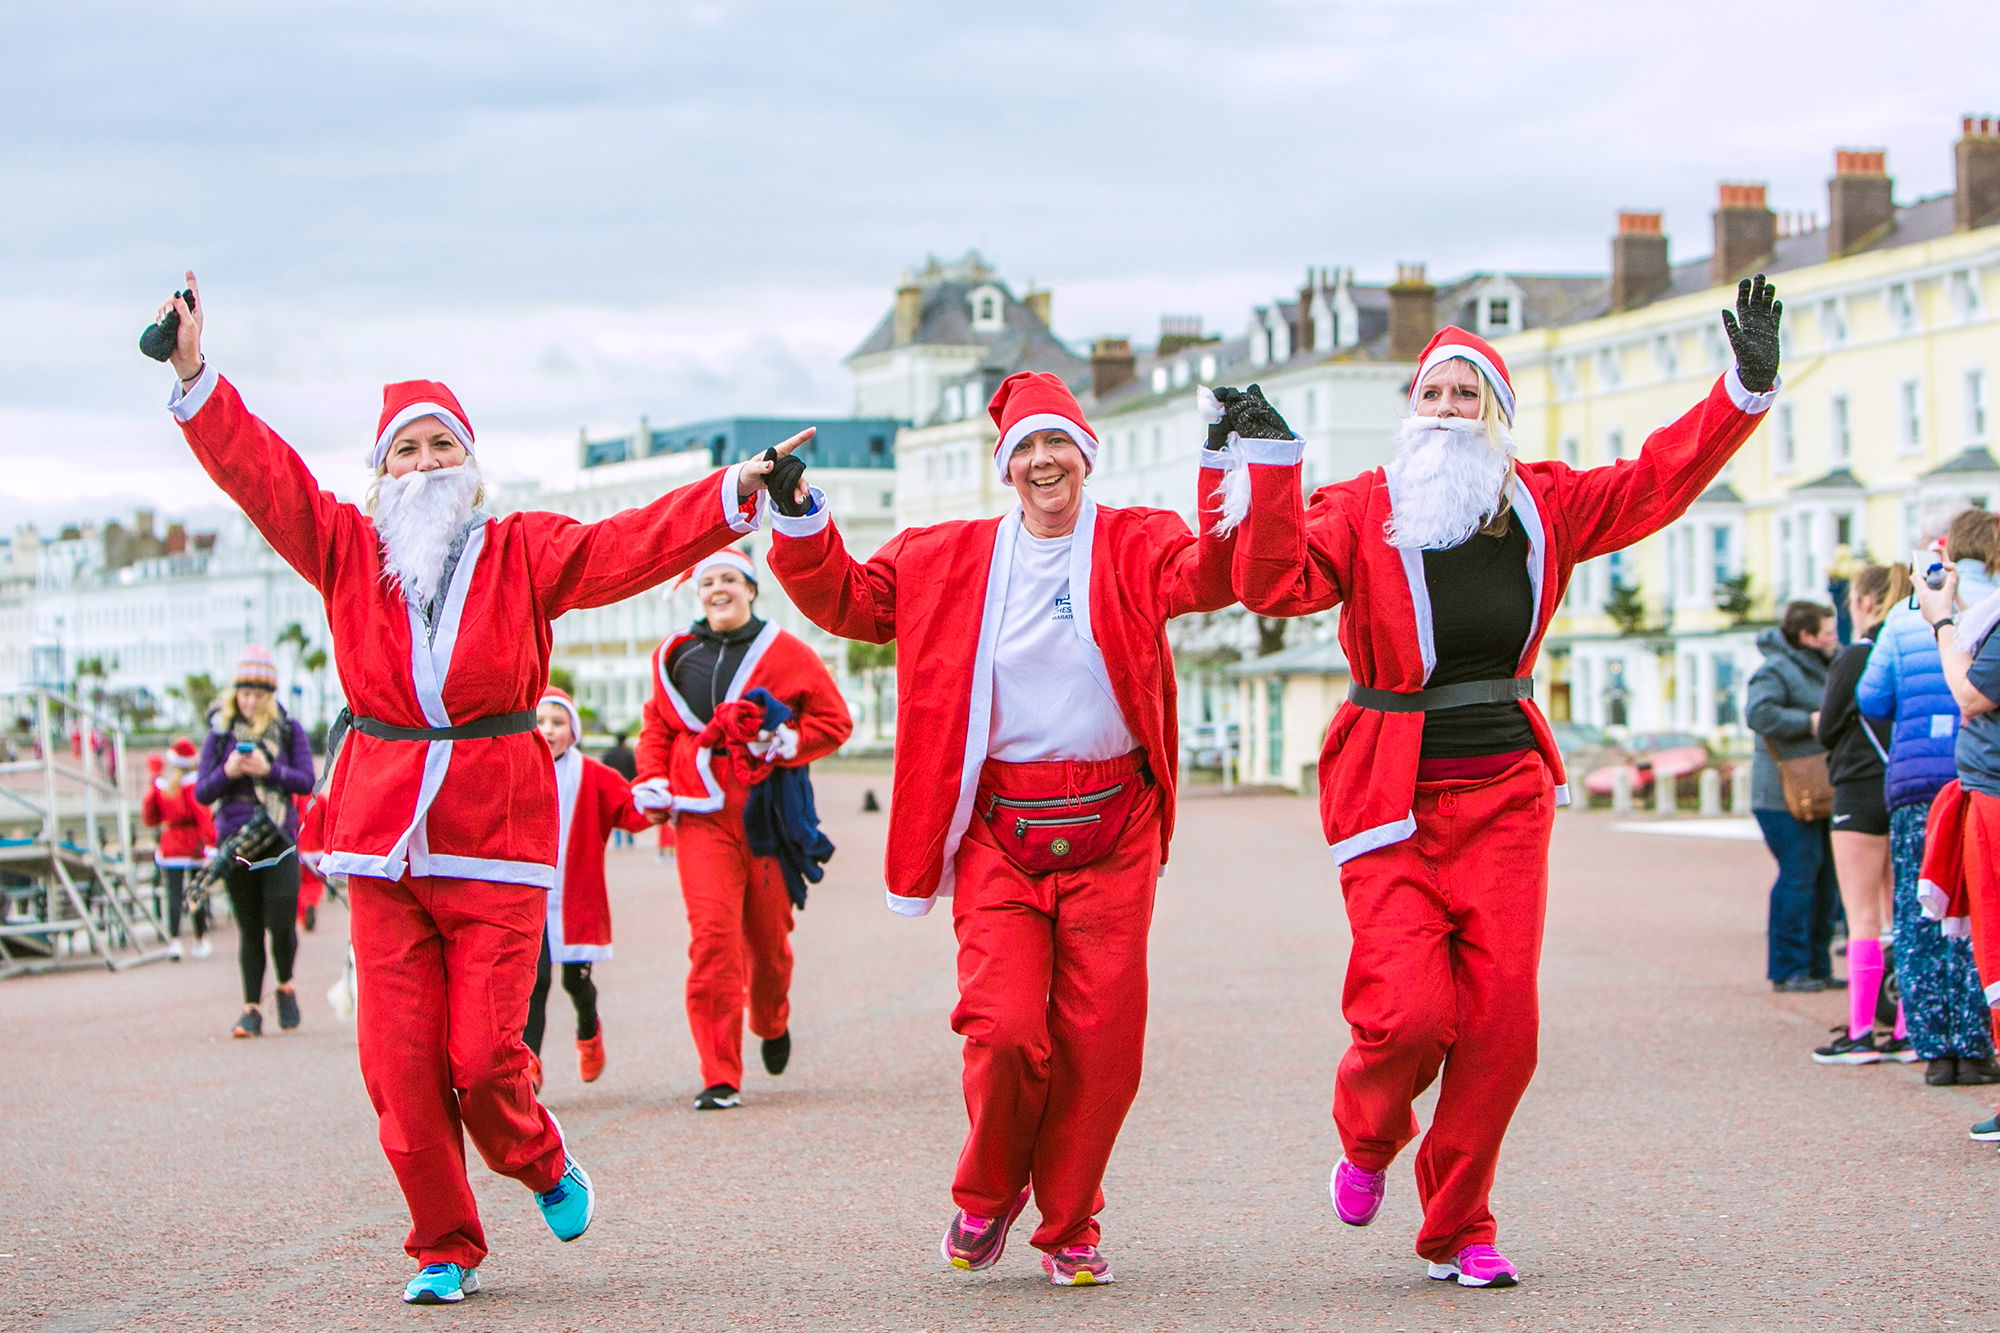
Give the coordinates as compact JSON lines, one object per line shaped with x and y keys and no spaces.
{"x":1477,"y":1266}
{"x":1357,"y":1194}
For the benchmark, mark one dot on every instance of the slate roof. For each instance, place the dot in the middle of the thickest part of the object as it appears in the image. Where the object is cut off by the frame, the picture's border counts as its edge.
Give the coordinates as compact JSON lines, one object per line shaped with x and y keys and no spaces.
{"x":1840,"y":479}
{"x":1968,"y":462}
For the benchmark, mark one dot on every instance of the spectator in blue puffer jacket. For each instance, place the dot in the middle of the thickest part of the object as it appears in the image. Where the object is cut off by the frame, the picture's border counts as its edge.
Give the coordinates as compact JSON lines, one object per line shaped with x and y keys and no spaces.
{"x":1943,"y":1005}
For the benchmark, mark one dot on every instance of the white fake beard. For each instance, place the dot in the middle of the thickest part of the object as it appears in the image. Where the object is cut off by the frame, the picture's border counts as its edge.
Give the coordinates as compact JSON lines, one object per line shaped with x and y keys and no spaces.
{"x":416,"y":517}
{"x":1446,"y":480}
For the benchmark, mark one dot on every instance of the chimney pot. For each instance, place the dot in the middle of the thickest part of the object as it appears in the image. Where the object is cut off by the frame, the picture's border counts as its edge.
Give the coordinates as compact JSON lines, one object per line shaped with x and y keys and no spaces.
{"x":1639,"y":269}
{"x":1412,"y":313}
{"x":1859,"y":197}
{"x":909,"y":313}
{"x":1746,"y":231}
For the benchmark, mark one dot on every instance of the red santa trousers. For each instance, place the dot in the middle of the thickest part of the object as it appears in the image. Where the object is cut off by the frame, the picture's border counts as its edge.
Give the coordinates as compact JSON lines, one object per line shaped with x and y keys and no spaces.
{"x":1052,"y":1006}
{"x":445,"y":968}
{"x":1447,"y":931}
{"x":1982,"y":892}
{"x":739,"y":938}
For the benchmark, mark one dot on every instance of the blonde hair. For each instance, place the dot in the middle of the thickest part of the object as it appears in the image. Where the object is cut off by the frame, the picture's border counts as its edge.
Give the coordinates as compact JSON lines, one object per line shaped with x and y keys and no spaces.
{"x":1883,"y":586}
{"x":226,"y":714}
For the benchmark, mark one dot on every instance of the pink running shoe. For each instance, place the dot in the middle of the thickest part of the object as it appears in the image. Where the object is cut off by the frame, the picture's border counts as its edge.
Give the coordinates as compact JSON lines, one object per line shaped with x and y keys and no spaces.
{"x":972,"y":1243}
{"x":1477,"y":1266}
{"x":1077,"y":1266}
{"x":1357,"y":1194}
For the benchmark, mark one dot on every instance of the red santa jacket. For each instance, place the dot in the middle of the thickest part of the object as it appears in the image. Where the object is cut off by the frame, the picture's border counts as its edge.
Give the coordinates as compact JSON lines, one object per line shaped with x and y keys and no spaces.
{"x":601,"y":802}
{"x":674,"y":767}
{"x":1289,"y":564}
{"x":930,"y":590}
{"x":474,"y":809}
{"x":186,"y":828}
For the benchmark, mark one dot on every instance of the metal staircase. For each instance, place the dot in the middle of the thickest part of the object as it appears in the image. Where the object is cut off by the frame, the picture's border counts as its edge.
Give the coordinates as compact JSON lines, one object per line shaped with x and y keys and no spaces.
{"x":69,"y":887}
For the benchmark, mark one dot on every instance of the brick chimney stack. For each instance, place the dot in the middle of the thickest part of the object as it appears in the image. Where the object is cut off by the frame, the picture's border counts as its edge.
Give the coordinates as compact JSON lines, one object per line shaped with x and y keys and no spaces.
{"x":1639,"y":271}
{"x":1412,"y":312}
{"x":909,"y":311}
{"x":1037,"y":302}
{"x":1111,"y":364}
{"x":1859,"y":198}
{"x":1746,"y":232}
{"x":1977,"y":201}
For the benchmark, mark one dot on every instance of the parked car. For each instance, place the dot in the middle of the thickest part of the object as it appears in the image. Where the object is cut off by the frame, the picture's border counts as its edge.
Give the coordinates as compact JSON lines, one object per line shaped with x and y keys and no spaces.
{"x":1648,"y":755}
{"x":1584,"y":747}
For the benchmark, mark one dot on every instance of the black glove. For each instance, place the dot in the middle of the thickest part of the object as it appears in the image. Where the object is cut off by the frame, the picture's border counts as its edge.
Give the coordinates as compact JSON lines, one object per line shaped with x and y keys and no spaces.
{"x":783,"y":483}
{"x":1753,"y":333}
{"x":1245,"y":412}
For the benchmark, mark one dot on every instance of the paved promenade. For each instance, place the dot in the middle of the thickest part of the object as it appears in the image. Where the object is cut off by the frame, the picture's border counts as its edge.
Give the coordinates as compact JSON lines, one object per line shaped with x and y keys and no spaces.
{"x":1678,"y":1164}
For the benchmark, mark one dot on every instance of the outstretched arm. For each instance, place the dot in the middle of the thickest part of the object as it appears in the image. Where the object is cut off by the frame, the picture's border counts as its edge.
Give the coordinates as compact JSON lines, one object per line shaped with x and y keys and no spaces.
{"x":838,"y":593}
{"x":1280,"y":568}
{"x":1609,"y":508}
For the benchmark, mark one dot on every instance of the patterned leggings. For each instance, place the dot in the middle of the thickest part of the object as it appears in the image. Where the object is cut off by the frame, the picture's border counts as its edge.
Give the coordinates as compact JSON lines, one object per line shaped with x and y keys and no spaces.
{"x":1943,"y":1005}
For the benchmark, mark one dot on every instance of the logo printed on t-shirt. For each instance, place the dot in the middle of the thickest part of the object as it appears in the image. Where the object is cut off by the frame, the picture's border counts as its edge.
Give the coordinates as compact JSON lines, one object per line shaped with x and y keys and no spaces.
{"x":1063,"y":609}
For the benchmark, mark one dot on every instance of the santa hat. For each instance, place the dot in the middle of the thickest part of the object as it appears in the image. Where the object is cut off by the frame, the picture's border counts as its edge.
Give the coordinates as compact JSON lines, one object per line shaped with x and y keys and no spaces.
{"x":156,"y":763}
{"x":729,"y":557}
{"x":552,"y":695}
{"x":257,"y":668}
{"x":1036,"y":400}
{"x":182,"y":754}
{"x":413,"y":400}
{"x":1452,"y":341}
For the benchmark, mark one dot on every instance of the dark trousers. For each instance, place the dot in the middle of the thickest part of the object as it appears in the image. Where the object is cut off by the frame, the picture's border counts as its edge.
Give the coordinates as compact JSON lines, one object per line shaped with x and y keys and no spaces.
{"x":1804,"y":899}
{"x":172,"y":887}
{"x":266,"y":902}
{"x":582,"y":993}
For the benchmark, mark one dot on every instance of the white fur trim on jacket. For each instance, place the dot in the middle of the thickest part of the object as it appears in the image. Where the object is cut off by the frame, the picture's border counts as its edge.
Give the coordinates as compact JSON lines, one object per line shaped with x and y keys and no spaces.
{"x":1745,"y":401}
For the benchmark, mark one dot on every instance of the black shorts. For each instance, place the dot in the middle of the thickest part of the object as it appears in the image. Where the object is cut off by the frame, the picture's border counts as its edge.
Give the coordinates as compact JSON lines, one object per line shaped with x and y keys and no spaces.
{"x":1860,"y":807}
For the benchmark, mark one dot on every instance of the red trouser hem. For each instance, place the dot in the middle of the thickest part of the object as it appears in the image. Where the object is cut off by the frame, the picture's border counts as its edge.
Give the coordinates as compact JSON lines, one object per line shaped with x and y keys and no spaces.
{"x":1447,"y":931}
{"x":1052,"y":1005}
{"x":444,"y":968}
{"x":739,"y":939}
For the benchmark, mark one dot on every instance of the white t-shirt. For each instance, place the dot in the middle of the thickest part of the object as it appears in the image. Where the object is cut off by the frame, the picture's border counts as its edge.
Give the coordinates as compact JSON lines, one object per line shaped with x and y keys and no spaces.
{"x":1049,"y":701}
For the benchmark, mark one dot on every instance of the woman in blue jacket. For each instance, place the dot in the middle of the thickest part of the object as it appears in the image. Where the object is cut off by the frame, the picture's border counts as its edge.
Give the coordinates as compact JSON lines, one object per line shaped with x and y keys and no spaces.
{"x":1943,"y":1006}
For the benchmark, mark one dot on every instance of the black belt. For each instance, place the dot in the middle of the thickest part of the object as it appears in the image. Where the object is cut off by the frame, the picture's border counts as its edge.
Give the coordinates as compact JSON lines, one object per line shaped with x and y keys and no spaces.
{"x":479,"y":729}
{"x":1509,"y":690}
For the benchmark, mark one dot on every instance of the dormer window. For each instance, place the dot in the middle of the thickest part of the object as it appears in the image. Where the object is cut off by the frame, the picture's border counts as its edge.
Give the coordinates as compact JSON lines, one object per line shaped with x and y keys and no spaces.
{"x":1159,"y":379}
{"x":988,"y":308}
{"x":1208,"y":367}
{"x":1180,"y":374}
{"x":1496,"y":307}
{"x":1499,"y":312}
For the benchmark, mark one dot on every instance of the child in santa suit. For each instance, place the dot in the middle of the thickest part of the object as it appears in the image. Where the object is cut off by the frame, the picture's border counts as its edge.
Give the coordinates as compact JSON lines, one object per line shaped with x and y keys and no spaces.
{"x":187,"y":832}
{"x":695,"y":770}
{"x":1439,"y":777}
{"x":442,"y":804}
{"x":1035,"y":781}
{"x":592,"y":799}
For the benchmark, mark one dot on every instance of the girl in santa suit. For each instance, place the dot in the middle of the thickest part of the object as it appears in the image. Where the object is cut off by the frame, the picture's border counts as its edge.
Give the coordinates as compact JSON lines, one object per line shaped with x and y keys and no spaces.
{"x":1439,"y":776}
{"x":186,"y":833}
{"x":592,"y":799}
{"x":1035,"y":782}
{"x":738,"y":905}
{"x":442,"y":803}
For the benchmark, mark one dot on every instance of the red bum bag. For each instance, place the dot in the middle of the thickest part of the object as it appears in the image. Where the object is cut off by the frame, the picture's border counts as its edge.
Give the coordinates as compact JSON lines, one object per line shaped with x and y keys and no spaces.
{"x":1059,"y":815}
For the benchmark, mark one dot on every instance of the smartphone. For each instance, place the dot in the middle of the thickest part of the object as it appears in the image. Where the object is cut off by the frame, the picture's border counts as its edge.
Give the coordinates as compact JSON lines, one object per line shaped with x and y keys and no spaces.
{"x":244,"y":747}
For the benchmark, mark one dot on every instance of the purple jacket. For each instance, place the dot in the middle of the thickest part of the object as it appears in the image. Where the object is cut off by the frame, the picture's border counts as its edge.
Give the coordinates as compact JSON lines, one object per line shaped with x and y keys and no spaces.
{"x":236,"y":798}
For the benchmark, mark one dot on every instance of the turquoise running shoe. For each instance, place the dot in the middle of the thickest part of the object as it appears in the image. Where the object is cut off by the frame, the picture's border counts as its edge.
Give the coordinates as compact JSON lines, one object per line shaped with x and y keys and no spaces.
{"x":441,"y":1284}
{"x":569,"y":1206}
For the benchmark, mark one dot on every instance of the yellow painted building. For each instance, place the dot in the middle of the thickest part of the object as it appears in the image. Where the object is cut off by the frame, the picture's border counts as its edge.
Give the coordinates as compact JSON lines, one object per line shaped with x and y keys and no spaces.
{"x":1888,"y":413}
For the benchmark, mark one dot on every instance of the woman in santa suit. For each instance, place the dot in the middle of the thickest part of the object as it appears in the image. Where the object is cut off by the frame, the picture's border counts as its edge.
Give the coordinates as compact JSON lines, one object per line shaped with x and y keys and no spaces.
{"x":698,"y":761}
{"x":1035,"y":781}
{"x":1439,"y":776}
{"x":187,"y":831}
{"x":592,"y":799}
{"x":442,"y":803}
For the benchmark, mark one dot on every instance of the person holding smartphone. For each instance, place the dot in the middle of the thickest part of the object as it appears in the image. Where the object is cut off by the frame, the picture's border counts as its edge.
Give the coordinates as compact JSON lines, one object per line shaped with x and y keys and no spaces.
{"x":256,"y":758}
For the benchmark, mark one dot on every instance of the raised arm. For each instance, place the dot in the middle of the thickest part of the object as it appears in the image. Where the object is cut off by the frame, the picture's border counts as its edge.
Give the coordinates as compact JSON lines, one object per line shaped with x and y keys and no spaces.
{"x":1276,"y":568}
{"x":1195,"y":570}
{"x":1609,"y":508}
{"x":838,"y":593}
{"x":247,"y":459}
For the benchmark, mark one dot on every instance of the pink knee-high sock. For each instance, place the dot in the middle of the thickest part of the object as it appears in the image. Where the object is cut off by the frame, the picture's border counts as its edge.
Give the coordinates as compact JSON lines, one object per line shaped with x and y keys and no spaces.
{"x":1864,"y":984}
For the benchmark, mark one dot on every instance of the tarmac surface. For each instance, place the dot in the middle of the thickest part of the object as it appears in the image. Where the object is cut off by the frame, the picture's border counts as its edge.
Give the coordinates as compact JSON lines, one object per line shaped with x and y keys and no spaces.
{"x":1679,"y":1162}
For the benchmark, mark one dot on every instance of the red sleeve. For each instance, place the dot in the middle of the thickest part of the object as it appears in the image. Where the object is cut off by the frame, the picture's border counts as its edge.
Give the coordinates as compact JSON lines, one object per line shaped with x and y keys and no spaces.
{"x":1609,"y":508}
{"x":1194,"y":569}
{"x":149,"y":808}
{"x":1288,"y":557}
{"x":266,"y":478}
{"x":654,"y":752}
{"x":614,"y":804}
{"x":822,"y":720}
{"x":576,"y":565}
{"x":835,"y":591}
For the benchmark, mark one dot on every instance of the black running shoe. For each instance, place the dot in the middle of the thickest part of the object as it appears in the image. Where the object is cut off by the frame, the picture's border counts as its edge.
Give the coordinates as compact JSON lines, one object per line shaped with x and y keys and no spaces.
{"x":288,"y":1009}
{"x":719,"y":1097}
{"x":249,"y":1023}
{"x":1942,"y":1072}
{"x":1976,"y":1071}
{"x":777,"y":1053}
{"x":1899,"y":1050}
{"x":1846,"y":1050}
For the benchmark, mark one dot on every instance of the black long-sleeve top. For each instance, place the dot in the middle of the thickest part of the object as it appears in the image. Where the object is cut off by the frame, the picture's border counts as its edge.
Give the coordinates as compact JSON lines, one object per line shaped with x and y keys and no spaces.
{"x":1852,"y":757}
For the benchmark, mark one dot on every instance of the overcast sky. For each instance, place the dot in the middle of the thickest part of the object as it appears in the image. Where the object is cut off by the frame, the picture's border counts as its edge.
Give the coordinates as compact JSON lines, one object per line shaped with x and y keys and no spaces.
{"x":578,"y":213}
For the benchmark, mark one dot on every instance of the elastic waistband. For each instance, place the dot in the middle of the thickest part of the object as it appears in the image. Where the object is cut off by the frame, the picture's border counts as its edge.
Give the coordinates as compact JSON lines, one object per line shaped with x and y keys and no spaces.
{"x":1508,"y":689}
{"x":479,"y":729}
{"x":1047,"y":773}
